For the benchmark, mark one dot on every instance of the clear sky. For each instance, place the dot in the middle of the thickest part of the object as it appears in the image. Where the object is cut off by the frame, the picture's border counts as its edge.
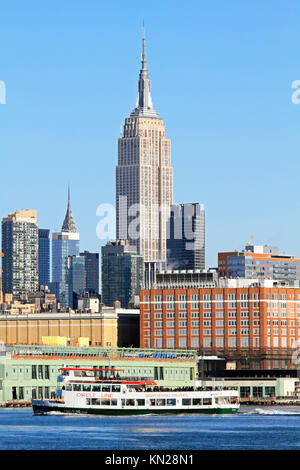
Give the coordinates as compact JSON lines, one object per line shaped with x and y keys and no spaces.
{"x":221,"y":75}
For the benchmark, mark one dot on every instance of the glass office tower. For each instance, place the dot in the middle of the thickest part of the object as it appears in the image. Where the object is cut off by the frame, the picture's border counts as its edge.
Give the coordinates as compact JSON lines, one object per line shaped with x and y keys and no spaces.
{"x":122,"y":273}
{"x":77,"y":279}
{"x":92,"y":272}
{"x":186,"y":237}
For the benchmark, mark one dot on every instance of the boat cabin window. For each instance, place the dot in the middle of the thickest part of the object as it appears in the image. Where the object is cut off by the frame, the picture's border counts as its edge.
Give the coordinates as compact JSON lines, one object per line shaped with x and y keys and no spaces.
{"x":86,"y":388}
{"x":221,"y":400}
{"x":132,"y":402}
{"x":105,"y":402}
{"x":186,"y":401}
{"x":69,"y":388}
{"x":161,"y":402}
{"x":207,"y":401}
{"x":101,"y":402}
{"x":197,"y":401}
{"x":96,"y":388}
{"x":116,"y":388}
{"x":158,"y":402}
{"x":171,"y":401}
{"x":105,"y":388}
{"x":95,"y":401}
{"x":77,"y":388}
{"x":65,"y":372}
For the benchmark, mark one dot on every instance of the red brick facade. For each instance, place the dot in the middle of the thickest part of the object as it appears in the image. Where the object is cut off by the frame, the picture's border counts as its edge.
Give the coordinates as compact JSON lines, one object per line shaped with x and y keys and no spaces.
{"x":257,"y":326}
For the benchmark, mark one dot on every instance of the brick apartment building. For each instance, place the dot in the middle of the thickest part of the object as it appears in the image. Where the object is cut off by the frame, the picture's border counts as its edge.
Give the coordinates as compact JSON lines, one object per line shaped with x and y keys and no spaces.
{"x":257,"y":324}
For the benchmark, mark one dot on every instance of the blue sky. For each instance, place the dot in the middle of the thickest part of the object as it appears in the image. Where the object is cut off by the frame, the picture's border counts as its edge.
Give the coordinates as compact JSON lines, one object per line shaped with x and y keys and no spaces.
{"x":221,"y":74}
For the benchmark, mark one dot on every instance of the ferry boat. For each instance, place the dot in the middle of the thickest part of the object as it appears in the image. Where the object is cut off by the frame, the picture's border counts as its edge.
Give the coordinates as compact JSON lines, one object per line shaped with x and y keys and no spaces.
{"x":86,"y":391}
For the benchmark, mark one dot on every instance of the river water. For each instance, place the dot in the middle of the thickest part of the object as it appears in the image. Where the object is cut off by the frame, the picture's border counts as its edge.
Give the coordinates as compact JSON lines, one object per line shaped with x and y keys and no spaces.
{"x":252,"y":428}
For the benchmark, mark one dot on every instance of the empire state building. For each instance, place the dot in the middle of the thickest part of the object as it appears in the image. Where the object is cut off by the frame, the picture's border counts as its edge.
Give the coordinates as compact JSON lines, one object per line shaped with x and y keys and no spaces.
{"x":144,"y":176}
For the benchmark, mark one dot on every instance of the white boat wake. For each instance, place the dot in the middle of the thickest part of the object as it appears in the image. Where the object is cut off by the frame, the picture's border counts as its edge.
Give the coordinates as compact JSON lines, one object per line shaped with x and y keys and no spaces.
{"x":263,"y":411}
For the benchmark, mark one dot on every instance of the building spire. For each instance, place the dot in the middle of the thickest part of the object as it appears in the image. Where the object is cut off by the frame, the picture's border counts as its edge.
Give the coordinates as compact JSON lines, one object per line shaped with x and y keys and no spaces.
{"x":69,"y":222}
{"x":144,"y":106}
{"x":144,"y":53}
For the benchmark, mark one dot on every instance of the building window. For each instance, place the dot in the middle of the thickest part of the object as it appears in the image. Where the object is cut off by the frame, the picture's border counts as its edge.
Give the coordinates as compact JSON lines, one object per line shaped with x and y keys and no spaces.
{"x":231,"y":342}
{"x":269,"y":391}
{"x":195,"y":342}
{"x":244,"y":392}
{"x":245,"y":342}
{"x":257,"y":392}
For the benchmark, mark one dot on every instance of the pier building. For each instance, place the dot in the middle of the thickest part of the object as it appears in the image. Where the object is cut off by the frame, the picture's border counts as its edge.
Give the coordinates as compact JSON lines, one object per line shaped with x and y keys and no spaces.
{"x":28,"y":372}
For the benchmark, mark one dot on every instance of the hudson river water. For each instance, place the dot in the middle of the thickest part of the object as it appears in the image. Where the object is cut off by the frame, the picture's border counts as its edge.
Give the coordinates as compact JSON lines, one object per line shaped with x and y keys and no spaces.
{"x":252,"y":428}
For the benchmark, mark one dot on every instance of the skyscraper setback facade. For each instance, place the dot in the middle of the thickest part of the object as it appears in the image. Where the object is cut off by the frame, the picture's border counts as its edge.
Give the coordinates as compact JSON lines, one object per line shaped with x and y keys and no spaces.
{"x":144,"y":176}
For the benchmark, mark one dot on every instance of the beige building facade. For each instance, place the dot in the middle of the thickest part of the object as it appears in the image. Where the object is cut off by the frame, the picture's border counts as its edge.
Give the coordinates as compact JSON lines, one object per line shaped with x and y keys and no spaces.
{"x":111,"y":327}
{"x":100,"y":328}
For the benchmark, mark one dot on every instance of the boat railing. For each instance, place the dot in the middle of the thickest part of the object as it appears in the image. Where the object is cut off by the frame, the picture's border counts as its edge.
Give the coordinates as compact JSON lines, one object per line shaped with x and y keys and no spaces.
{"x":113,"y":380}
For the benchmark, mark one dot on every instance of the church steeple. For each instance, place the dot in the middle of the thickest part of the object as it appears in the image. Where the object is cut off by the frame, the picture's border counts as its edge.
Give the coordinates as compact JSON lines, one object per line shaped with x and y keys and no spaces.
{"x":144,"y":106}
{"x":69,"y":222}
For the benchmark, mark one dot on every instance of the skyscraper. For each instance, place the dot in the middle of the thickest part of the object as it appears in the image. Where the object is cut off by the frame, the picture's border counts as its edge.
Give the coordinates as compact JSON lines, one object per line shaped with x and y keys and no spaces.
{"x":83,"y":276}
{"x":64,"y":244}
{"x":122,"y":273}
{"x":186,"y":237}
{"x":144,"y":176}
{"x":77,"y":279}
{"x":20,"y":248}
{"x":91,"y":262}
{"x":44,"y":257}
